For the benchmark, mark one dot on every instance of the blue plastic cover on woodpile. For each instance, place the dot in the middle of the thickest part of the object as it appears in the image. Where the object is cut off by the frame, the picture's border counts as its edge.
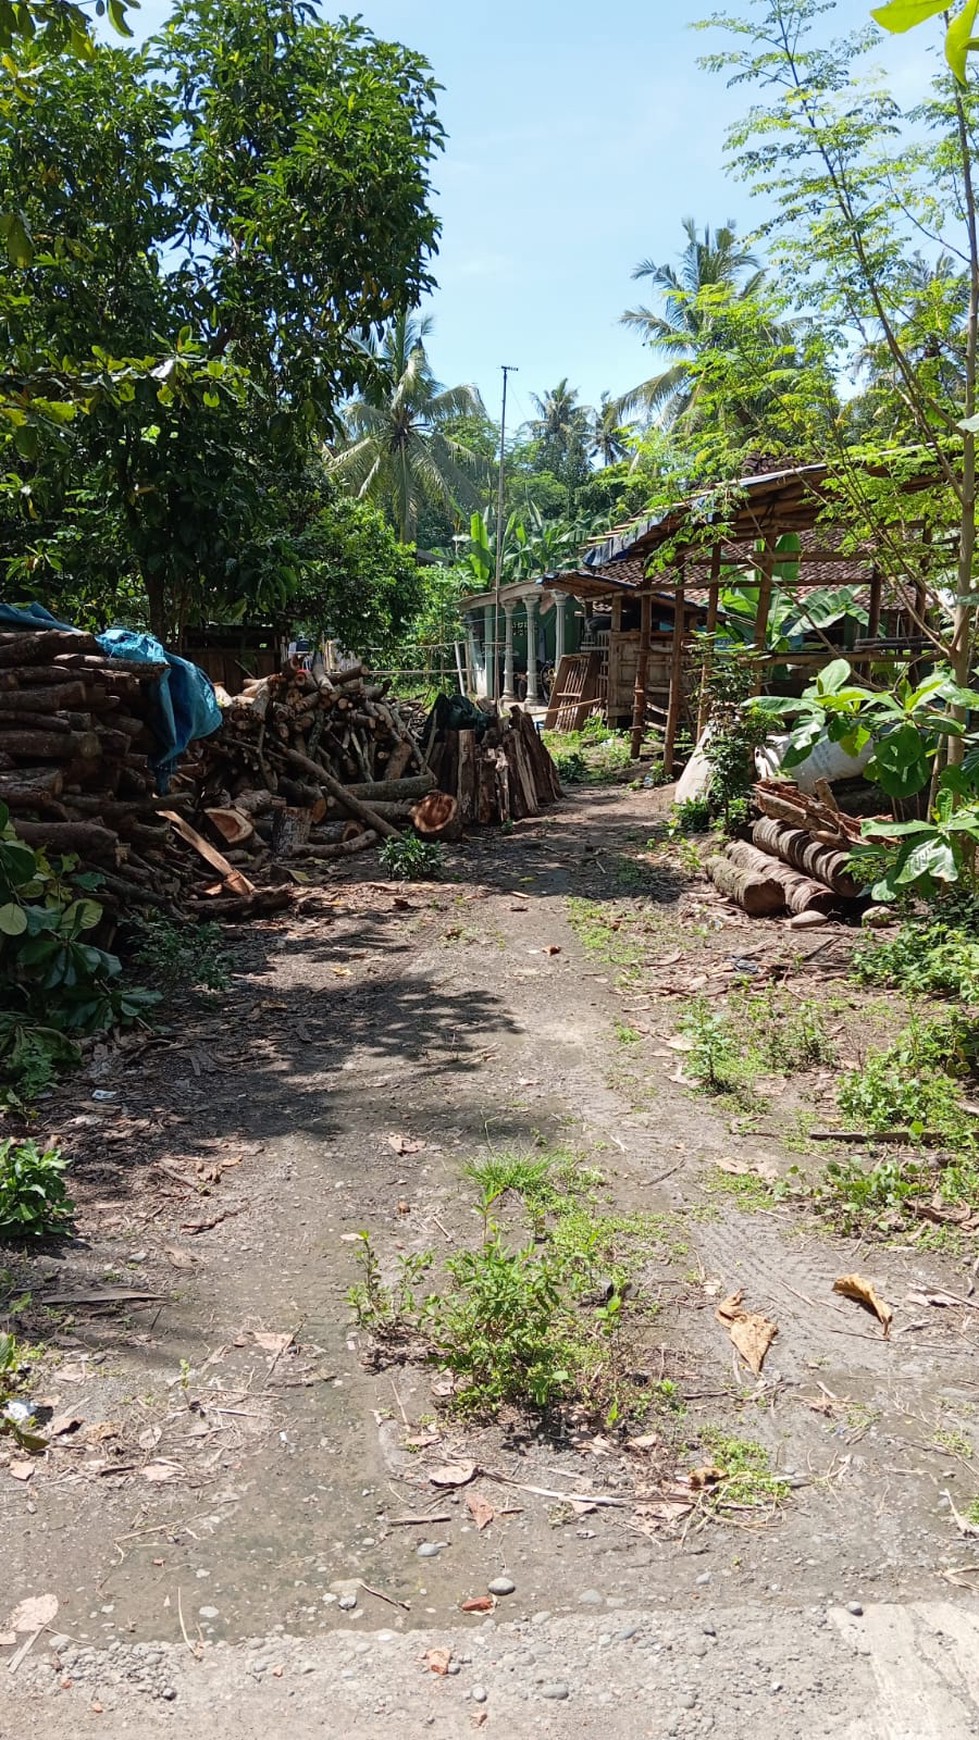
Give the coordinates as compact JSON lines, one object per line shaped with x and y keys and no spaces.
{"x":184,"y":703}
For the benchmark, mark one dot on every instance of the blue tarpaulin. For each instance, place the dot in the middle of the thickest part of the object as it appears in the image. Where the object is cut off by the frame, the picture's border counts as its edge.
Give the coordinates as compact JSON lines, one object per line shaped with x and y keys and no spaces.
{"x":184,"y":703}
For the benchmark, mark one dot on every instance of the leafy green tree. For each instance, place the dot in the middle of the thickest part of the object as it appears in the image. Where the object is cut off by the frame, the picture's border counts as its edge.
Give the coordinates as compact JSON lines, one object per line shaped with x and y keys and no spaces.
{"x":852,"y":184}
{"x":212,"y":223}
{"x":358,"y":584}
{"x":400,"y":449}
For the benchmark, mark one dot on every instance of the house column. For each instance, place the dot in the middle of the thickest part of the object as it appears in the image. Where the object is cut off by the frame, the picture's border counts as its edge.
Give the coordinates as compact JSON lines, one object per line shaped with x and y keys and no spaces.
{"x":472,"y":648}
{"x":489,"y":651}
{"x":531,"y":606}
{"x":559,"y":603}
{"x":508,"y":694}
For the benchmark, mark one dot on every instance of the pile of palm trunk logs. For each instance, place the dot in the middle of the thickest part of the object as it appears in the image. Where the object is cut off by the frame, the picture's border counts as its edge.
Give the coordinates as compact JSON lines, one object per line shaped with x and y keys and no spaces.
{"x":306,"y":766}
{"x":797,"y":857}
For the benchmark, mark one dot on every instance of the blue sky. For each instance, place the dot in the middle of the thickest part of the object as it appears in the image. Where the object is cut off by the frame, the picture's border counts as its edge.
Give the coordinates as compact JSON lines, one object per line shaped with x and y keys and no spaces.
{"x":580,"y":136}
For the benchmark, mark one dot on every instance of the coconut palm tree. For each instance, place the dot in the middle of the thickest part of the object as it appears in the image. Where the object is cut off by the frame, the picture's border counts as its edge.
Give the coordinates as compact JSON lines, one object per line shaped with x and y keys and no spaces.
{"x":683,"y":329}
{"x":562,"y":427}
{"x":609,"y":435}
{"x":399,"y":451}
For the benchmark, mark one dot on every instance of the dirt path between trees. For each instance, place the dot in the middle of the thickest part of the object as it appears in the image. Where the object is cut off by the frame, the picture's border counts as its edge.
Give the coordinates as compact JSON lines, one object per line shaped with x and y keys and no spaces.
{"x":219,"y":1513}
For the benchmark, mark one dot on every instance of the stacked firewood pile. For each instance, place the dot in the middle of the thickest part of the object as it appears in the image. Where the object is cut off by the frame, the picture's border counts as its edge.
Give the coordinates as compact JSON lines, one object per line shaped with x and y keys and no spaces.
{"x":306,"y":764}
{"x":502,"y":776}
{"x":797,"y":858}
{"x":75,"y":747}
{"x":317,"y":765}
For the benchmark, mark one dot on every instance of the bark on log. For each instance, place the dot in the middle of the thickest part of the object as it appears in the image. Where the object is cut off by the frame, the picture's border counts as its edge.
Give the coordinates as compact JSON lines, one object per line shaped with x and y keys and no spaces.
{"x":352,"y":805}
{"x":290,"y":830}
{"x":53,"y":745}
{"x":437,"y":817}
{"x":801,"y":894}
{"x":759,"y":896}
{"x":466,"y":777}
{"x":21,"y":783}
{"x":87,"y":838}
{"x":795,"y":846}
{"x":39,"y":699}
{"x":25,"y":649}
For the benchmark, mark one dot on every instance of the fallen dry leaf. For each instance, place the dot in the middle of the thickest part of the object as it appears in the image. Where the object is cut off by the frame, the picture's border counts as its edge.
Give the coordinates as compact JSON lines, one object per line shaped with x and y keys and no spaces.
{"x":159,"y":1471}
{"x":422,"y":1441}
{"x":480,"y":1510}
{"x":271,"y":1342}
{"x":864,"y":1293}
{"x":31,"y":1614}
{"x":748,"y":1169}
{"x":699,"y":1478}
{"x":405,"y":1144}
{"x":438,"y":1660}
{"x":479,"y":1604}
{"x":62,"y":1424}
{"x":452,"y":1474}
{"x":21,"y":1470}
{"x":582,"y":1506}
{"x":149,"y":1439}
{"x":647,"y":1441}
{"x":179,"y":1259}
{"x":751,"y":1333}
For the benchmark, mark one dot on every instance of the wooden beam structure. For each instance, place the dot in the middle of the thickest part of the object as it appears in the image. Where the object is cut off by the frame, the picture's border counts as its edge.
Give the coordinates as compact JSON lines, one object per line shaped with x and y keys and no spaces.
{"x":676,"y":681}
{"x":713,"y":602}
{"x":642,"y":667}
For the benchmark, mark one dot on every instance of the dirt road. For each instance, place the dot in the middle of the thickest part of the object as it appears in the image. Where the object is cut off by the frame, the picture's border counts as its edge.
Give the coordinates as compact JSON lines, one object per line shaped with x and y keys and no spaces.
{"x":220,"y":1516}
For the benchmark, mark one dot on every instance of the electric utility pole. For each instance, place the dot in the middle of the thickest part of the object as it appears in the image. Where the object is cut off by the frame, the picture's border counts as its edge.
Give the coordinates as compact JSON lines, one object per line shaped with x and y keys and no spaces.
{"x":508,"y":369}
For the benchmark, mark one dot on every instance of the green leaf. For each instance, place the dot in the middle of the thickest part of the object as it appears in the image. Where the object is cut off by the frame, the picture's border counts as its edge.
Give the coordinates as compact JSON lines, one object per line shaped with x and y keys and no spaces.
{"x":13,"y":920}
{"x":899,"y":15}
{"x":900,"y":766}
{"x":17,"y":235}
{"x":958,"y":39}
{"x":832,"y":677}
{"x":929,"y":858}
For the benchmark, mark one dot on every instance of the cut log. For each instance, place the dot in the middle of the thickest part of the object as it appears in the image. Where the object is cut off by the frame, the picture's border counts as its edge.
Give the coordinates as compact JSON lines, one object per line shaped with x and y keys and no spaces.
{"x":437,"y":817}
{"x":759,"y":896}
{"x":394,"y":790}
{"x":801,"y":893}
{"x":352,"y":805}
{"x":796,"y":846}
{"x":466,"y":777}
{"x":290,"y":830}
{"x":233,"y":825}
{"x":23,"y":783}
{"x":53,"y":745}
{"x":237,"y":883}
{"x":86,"y":838}
{"x":253,"y":803}
{"x":21,"y":649}
{"x":40,"y":699}
{"x":342,"y":848}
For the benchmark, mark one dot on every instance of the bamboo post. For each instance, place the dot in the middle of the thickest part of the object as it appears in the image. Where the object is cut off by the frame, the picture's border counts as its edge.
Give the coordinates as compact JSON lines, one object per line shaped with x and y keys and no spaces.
{"x":642,"y":667}
{"x":713,"y":599}
{"x":876,"y":601}
{"x":676,"y":680}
